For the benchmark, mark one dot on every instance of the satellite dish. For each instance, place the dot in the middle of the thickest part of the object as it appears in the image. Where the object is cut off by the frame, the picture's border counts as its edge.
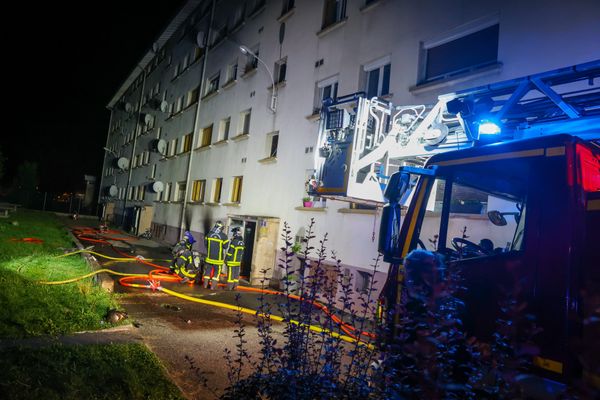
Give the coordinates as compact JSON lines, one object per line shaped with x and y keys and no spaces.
{"x":200,"y":39}
{"x":157,"y":187}
{"x":160,"y":146}
{"x":113,"y":191}
{"x":128,"y":108}
{"x":164,"y":106}
{"x":123,"y":163}
{"x":147,"y":119}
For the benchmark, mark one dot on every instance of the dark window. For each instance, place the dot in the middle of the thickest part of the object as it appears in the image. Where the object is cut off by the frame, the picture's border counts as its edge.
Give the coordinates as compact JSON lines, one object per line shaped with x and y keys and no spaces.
{"x":464,"y":54}
{"x":335,"y":11}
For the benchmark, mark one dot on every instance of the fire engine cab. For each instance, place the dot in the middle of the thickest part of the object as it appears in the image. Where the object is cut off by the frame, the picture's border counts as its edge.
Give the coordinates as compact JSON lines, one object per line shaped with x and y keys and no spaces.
{"x":504,"y":182}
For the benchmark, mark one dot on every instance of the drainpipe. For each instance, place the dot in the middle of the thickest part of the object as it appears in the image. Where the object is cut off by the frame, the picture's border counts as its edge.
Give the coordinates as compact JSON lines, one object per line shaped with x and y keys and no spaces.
{"x":104,"y":163}
{"x":137,"y":122}
{"x":196,"y":122}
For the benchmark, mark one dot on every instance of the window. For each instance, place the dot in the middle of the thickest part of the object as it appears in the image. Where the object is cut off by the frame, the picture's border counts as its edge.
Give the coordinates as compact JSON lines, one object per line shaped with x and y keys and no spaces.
{"x":172,"y":148}
{"x":180,"y":191}
{"x":224,"y":129}
{"x":280,"y":70}
{"x":175,"y":71}
{"x":327,"y":88}
{"x":198,"y":190}
{"x":213,"y":84}
{"x":245,"y":122}
{"x":232,"y":72}
{"x":192,"y":97}
{"x":236,"y":189}
{"x":187,"y":143}
{"x":238,"y":17}
{"x":167,"y":195}
{"x":146,"y":157}
{"x":178,"y":105}
{"x":141,"y":193}
{"x":363,"y":282}
{"x":272,"y":142}
{"x":198,"y":52}
{"x":483,"y":215}
{"x":217,"y":185}
{"x":130,"y":193}
{"x":185,"y":62}
{"x":454,"y":55}
{"x":153,"y":172}
{"x":287,"y":6}
{"x":251,"y":61}
{"x":206,"y":138}
{"x":378,"y":77}
{"x":334,"y":11}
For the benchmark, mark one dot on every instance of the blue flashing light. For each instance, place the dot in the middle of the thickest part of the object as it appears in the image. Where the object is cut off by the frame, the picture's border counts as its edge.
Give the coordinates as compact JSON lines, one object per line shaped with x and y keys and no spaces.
{"x":489,"y":128}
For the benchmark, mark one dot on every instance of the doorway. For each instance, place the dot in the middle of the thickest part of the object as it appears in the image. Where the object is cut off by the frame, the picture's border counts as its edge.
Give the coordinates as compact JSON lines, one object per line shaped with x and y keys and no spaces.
{"x":249,"y":232}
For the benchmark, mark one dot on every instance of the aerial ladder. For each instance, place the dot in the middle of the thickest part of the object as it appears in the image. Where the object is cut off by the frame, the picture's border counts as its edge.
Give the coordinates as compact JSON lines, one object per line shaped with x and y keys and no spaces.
{"x":362,"y":141}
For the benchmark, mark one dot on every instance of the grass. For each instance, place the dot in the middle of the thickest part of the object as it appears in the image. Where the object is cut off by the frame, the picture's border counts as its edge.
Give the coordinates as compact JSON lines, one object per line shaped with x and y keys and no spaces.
{"x":116,"y":371}
{"x":31,"y":309}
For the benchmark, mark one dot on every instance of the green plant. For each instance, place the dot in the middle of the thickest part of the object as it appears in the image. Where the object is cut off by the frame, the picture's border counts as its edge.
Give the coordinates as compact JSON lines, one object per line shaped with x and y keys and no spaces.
{"x":296,"y":247}
{"x":306,"y":198}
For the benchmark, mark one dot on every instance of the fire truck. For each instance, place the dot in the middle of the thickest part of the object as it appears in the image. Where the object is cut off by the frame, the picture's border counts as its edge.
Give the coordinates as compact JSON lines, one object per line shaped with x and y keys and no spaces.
{"x":503,"y":181}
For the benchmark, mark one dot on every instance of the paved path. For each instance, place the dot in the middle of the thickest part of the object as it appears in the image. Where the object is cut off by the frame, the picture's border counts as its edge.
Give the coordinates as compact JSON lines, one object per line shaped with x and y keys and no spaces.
{"x":175,"y":329}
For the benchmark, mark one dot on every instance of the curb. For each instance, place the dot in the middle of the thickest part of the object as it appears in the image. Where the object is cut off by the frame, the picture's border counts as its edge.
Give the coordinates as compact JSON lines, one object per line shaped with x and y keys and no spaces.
{"x":102,"y":279}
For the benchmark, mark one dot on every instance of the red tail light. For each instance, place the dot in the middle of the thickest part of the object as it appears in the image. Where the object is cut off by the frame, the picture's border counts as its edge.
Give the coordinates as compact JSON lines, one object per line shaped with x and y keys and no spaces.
{"x":588,"y":169}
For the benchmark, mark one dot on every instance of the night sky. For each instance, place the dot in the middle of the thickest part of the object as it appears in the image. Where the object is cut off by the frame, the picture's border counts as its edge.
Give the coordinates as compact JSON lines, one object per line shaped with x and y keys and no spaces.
{"x":68,"y":59}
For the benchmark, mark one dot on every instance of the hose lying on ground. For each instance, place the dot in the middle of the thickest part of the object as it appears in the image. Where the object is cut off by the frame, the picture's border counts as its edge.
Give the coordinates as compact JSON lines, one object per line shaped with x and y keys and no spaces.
{"x":157,"y":275}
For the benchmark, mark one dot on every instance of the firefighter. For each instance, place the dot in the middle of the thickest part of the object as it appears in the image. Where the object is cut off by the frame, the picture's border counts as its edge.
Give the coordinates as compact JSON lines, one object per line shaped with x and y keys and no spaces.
{"x":234,"y":258}
{"x":185,"y":261}
{"x":216,"y":242}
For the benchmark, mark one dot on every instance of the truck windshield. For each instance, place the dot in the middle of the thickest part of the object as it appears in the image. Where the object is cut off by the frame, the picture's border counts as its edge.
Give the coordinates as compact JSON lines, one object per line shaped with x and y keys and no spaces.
{"x":481,"y":216}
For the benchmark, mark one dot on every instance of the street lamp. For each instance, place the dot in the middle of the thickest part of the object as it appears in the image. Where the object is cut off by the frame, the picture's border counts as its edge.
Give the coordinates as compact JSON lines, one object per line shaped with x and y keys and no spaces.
{"x":110,"y":151}
{"x":273,"y":105}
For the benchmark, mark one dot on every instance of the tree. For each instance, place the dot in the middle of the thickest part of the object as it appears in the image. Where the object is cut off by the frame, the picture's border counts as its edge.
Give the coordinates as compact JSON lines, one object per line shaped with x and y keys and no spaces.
{"x":25,"y":184}
{"x":1,"y":164}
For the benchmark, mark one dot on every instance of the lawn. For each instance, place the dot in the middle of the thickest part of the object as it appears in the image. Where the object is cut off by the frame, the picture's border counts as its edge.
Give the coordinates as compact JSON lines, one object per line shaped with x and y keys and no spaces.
{"x":112,"y":371}
{"x":117,"y":371}
{"x":31,"y":309}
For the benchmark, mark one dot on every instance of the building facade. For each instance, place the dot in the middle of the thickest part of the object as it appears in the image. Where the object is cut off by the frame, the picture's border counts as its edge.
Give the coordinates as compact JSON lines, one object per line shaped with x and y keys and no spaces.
{"x":193,"y":137}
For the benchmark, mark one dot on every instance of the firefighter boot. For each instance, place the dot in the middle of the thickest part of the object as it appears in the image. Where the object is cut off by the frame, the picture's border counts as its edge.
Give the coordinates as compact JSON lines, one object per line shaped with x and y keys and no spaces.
{"x":205,"y":283}
{"x":214,"y":284}
{"x":230,"y":285}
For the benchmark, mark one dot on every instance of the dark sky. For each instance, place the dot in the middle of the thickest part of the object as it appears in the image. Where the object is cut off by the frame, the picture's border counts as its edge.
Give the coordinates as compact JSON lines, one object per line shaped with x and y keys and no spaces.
{"x":68,"y":59}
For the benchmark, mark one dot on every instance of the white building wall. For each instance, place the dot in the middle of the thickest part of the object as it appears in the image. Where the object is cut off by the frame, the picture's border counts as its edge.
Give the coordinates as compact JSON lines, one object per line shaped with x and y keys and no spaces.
{"x":535,"y":36}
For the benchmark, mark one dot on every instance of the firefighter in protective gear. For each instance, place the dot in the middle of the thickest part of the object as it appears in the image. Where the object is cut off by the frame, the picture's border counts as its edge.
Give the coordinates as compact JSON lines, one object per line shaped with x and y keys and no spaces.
{"x":216,"y":243}
{"x":234,"y":258}
{"x":185,"y":260}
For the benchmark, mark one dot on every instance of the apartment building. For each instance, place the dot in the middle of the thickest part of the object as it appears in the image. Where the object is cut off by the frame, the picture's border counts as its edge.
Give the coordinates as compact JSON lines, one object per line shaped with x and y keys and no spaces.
{"x":202,"y":131}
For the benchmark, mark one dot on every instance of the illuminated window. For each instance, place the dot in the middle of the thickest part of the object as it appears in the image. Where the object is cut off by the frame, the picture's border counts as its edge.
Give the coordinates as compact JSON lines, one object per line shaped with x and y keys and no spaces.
{"x":187,"y":143}
{"x":217,"y":186}
{"x":236,"y":189}
{"x":167,"y":191}
{"x":198,"y":190}
{"x":206,"y":138}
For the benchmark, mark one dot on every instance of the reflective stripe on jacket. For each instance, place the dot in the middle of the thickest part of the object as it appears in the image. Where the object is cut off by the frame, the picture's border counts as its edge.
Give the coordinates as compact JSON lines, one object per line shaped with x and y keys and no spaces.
{"x":215,"y":248}
{"x":235,"y":252}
